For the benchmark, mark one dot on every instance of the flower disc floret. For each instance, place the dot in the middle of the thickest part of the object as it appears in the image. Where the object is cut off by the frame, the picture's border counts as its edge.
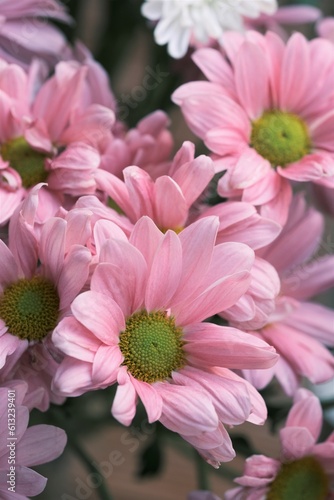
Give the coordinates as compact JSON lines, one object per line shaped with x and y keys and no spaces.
{"x":28,"y":162}
{"x":302,"y":479}
{"x":30,"y":308}
{"x":280,"y":137}
{"x":152,"y":346}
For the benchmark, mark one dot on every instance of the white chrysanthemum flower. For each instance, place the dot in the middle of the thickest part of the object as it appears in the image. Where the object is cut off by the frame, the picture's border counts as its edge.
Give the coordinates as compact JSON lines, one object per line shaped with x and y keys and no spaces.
{"x":182,"y":21}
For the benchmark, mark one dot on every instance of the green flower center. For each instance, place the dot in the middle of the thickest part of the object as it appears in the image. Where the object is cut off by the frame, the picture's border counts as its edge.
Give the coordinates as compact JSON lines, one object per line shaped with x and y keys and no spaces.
{"x":152,"y":346}
{"x":281,"y":138}
{"x":30,"y":308}
{"x":303,"y":479}
{"x":25,"y":160}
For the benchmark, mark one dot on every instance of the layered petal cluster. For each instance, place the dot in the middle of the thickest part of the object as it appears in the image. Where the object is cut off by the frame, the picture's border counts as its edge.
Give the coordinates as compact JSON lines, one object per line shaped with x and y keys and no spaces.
{"x":181,"y":23}
{"x":41,"y":272}
{"x":147,"y":146}
{"x":174,"y":200}
{"x":262,"y":116}
{"x":30,"y":446}
{"x":305,"y":468}
{"x":52,"y":135}
{"x":141,"y":325}
{"x":298,"y":328}
{"x":26,"y":31}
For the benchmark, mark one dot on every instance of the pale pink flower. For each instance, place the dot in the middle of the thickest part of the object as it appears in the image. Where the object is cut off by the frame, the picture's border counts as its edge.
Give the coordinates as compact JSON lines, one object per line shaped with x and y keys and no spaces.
{"x":39,"y":278}
{"x":263,"y":117}
{"x":26,"y":31}
{"x":298,"y":328}
{"x":325,"y":28}
{"x":32,"y":446}
{"x":141,"y":325}
{"x":173,"y":200}
{"x":285,"y":16}
{"x":305,"y":468}
{"x":52,"y":135}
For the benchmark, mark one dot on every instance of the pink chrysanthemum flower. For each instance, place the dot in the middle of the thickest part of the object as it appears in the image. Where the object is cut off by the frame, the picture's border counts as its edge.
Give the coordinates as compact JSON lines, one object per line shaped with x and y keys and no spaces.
{"x":26,"y":31}
{"x":39,"y":278}
{"x":305,"y":469}
{"x":52,"y":135}
{"x":263,"y":117}
{"x":173,"y":200}
{"x":30,"y":446}
{"x":141,"y":325}
{"x":298,"y":328}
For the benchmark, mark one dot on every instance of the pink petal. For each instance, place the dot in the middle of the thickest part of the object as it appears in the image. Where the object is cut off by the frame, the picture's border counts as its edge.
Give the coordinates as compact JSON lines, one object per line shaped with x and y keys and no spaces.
{"x":125,"y":400}
{"x":249,"y":169}
{"x":8,"y":266}
{"x":40,"y":444}
{"x":28,"y":482}
{"x":145,"y":230}
{"x":165,"y":273}
{"x":197,"y":241}
{"x":73,"y":377}
{"x":277,"y":209}
{"x":72,"y":338}
{"x":52,"y":248}
{"x":294,"y":73}
{"x":215,"y":67}
{"x":313,"y":319}
{"x":107,"y":361}
{"x":306,"y":412}
{"x":230,"y":397}
{"x":185,"y":410}
{"x":296,"y":442}
{"x":123,"y":278}
{"x":170,"y":205}
{"x":150,"y":398}
{"x":100,"y":315}
{"x":74,"y":274}
{"x":212,"y":345}
{"x":252,"y":79}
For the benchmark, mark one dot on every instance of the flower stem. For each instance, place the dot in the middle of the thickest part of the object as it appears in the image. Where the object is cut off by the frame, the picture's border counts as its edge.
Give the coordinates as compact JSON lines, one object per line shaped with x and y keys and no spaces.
{"x":202,"y":472}
{"x":102,"y":489}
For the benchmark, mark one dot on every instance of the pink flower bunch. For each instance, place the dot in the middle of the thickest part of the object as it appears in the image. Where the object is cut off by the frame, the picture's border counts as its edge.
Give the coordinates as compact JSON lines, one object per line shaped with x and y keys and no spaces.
{"x":141,"y":325}
{"x":299,"y":329}
{"x":185,"y":281}
{"x":41,"y":273}
{"x":305,"y":469}
{"x":263,"y":118}
{"x":22,"y":447}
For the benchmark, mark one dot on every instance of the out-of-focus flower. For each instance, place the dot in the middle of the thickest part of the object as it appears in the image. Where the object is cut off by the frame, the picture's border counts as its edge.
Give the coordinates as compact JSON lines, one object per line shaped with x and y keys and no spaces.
{"x":325,"y":28}
{"x":26,"y":31}
{"x":29,"y":446}
{"x":285,"y":16}
{"x":141,"y":325}
{"x":305,"y":469}
{"x":39,"y":277}
{"x":181,"y":21}
{"x":298,"y":329}
{"x":263,"y":117}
